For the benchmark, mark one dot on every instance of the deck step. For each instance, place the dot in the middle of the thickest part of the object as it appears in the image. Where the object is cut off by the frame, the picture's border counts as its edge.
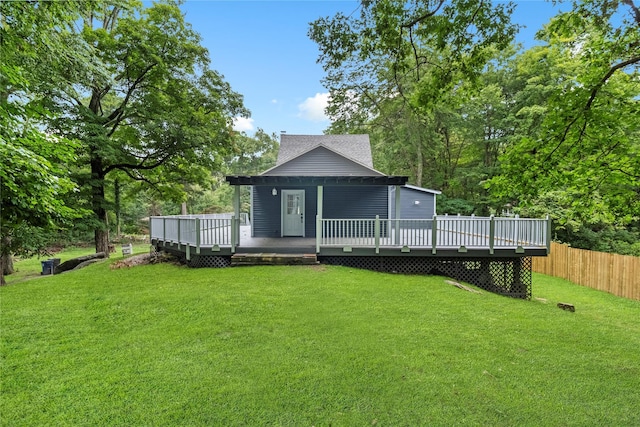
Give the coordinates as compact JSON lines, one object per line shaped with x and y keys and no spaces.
{"x":273,"y":259}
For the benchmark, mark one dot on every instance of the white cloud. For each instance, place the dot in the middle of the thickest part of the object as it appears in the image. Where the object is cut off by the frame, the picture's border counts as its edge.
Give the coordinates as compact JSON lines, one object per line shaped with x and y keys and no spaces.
{"x":313,"y":108}
{"x":242,"y":124}
{"x":274,"y":101}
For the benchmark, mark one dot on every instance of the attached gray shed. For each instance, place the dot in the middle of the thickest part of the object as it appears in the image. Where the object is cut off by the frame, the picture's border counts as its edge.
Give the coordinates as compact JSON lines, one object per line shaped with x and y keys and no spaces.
{"x":415,"y":202}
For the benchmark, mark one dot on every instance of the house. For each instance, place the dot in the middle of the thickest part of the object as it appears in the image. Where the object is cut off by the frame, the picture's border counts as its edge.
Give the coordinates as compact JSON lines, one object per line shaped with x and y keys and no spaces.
{"x":318,"y":176}
{"x":324,"y":202}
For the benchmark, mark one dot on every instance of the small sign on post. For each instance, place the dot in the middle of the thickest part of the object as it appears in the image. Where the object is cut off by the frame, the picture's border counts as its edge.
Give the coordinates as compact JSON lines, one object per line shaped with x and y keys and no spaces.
{"x":127,"y":249}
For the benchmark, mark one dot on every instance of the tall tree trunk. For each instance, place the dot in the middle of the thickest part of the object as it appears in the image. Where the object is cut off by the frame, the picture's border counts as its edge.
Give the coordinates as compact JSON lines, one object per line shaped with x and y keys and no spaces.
{"x":98,"y":202}
{"x":116,"y":194}
{"x":419,"y":164}
{"x":6,"y":261}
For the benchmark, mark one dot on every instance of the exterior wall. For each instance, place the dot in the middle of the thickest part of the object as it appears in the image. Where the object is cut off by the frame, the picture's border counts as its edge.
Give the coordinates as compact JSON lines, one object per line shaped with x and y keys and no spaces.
{"x":340,"y":202}
{"x":266,"y":211}
{"x":321,"y":162}
{"x":408,"y":209}
{"x":355,"y":202}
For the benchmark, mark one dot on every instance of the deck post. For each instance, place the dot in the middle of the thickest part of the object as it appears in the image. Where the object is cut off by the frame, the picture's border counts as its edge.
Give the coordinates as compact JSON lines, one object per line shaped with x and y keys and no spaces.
{"x":320,"y":197}
{"x":318,"y":233}
{"x":178,"y":232}
{"x":376,"y":231}
{"x":492,"y":233}
{"x":197,"y":235}
{"x":164,"y":231}
{"x":236,"y":213}
{"x":397,"y":227}
{"x":234,"y":221}
{"x":548,"y":240}
{"x":434,"y":235}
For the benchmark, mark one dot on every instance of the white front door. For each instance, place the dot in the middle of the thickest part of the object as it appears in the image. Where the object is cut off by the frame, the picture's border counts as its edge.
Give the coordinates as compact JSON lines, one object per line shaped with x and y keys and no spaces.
{"x":293,"y":213}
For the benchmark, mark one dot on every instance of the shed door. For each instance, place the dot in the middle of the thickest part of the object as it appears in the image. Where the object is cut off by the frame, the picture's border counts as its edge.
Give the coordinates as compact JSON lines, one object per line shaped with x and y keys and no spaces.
{"x":293,"y":213}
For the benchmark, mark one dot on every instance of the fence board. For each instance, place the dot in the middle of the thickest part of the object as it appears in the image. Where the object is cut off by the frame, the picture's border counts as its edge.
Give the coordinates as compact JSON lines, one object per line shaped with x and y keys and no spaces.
{"x":613,"y":273}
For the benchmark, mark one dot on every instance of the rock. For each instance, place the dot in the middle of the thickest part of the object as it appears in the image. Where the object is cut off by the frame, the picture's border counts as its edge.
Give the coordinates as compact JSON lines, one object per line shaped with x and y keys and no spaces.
{"x":566,"y":306}
{"x":76,"y":262}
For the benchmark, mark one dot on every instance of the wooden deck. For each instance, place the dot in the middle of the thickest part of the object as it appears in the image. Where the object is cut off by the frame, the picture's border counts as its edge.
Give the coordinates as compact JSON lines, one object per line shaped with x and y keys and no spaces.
{"x":448,"y":236}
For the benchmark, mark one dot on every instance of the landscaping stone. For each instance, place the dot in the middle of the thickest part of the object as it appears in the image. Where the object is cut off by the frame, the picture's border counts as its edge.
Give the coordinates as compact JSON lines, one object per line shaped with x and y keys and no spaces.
{"x":77,"y":262}
{"x":567,"y":306}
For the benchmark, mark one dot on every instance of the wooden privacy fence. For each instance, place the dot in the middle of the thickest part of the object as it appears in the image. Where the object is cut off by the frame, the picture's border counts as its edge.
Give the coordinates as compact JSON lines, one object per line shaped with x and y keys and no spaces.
{"x":613,"y":273}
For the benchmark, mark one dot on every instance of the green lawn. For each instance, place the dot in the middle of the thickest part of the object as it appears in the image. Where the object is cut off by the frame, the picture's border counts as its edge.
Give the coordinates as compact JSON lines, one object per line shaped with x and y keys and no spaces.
{"x":296,"y":346}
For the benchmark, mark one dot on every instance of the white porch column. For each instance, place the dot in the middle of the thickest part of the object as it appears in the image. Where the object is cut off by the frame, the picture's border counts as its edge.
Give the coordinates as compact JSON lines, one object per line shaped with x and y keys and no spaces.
{"x":320,"y":197}
{"x":320,"y":191}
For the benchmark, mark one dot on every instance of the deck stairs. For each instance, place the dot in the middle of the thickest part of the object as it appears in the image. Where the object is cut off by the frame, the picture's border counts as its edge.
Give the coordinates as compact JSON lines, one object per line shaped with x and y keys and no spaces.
{"x":273,"y":259}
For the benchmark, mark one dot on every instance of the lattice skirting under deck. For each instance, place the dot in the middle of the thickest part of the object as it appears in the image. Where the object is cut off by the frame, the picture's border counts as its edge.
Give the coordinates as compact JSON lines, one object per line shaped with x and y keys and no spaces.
{"x":199,"y":261}
{"x":505,"y":276}
{"x":209,"y":261}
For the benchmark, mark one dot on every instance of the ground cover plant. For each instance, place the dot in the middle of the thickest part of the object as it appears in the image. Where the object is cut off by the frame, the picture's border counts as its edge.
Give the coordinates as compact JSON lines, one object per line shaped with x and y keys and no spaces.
{"x":321,"y":345}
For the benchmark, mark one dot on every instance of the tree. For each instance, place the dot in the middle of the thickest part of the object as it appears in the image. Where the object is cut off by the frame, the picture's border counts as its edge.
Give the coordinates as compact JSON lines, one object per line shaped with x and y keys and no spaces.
{"x":585,"y":103}
{"x":35,"y":46}
{"x":252,"y":155}
{"x":400,"y":71}
{"x":157,"y":113}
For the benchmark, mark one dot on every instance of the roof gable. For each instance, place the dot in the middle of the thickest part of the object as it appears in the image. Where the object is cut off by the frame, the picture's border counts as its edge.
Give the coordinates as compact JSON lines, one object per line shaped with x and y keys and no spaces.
{"x":321,"y":161}
{"x":354,"y":147}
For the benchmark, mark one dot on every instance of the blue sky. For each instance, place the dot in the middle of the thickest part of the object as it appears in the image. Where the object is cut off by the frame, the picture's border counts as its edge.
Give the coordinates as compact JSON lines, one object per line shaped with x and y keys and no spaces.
{"x":262,"y":49}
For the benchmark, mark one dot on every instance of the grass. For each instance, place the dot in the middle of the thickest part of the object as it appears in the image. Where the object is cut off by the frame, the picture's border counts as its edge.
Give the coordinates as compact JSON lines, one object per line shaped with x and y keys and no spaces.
{"x":168,"y":345}
{"x":30,"y":268}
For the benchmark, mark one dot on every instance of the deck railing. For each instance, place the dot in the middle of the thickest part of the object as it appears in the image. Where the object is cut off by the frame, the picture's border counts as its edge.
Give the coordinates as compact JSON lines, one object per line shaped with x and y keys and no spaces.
{"x":439,"y":232}
{"x":206,"y":230}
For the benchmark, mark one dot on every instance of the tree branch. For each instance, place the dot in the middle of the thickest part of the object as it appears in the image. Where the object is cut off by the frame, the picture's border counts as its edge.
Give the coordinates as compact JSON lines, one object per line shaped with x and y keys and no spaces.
{"x":153,"y":185}
{"x":117,"y":115}
{"x":634,"y":9}
{"x":140,"y":166}
{"x":421,"y":18}
{"x":613,"y":69}
{"x":589,"y":103}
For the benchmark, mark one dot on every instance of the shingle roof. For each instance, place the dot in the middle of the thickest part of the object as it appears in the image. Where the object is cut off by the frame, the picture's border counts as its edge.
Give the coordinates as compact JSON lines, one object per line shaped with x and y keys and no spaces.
{"x":354,"y":147}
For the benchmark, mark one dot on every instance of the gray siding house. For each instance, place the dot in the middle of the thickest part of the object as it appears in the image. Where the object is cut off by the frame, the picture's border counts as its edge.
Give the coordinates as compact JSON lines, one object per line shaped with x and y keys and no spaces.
{"x":325,"y":189}
{"x":317,"y":176}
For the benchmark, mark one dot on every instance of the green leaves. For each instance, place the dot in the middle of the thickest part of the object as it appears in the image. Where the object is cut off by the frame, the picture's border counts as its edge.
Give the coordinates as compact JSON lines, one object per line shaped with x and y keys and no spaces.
{"x":448,"y":101}
{"x":131,"y":85}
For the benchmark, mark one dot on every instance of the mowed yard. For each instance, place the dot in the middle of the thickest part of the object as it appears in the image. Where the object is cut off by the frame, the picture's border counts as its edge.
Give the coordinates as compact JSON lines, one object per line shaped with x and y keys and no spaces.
{"x":301,"y":346}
